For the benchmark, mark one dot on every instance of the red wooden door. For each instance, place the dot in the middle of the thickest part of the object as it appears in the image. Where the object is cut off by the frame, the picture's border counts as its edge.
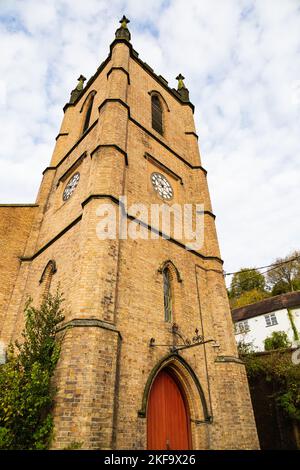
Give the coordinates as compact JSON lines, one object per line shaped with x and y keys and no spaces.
{"x":167,"y":415}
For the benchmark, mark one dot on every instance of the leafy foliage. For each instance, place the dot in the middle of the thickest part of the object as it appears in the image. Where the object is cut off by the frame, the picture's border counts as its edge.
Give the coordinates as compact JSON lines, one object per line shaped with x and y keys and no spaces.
{"x":277,"y":340}
{"x":249,"y":285}
{"x":275,"y":365}
{"x":280,"y":287}
{"x":292,"y":322}
{"x":26,"y":394}
{"x":244,"y":347}
{"x":286,"y":276}
{"x":247,"y":280}
{"x":278,"y":368}
{"x":248,"y":297}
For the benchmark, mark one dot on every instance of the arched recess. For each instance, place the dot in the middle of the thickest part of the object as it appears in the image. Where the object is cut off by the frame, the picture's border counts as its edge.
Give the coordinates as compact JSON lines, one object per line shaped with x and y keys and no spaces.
{"x":173,"y":270}
{"x":190,"y":385}
{"x":171,"y":294}
{"x":168,"y":414}
{"x":46,"y":277}
{"x":159,"y":108}
{"x":168,"y":289}
{"x":86,"y":109}
{"x":161,"y":98}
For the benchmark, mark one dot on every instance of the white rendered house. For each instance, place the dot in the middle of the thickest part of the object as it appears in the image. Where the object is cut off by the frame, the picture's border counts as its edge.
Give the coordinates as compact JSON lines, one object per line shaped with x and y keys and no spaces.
{"x":255,"y":322}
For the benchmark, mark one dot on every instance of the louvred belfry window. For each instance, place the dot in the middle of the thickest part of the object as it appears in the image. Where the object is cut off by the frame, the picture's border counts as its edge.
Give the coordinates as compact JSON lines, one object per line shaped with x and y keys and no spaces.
{"x":156,"y":114}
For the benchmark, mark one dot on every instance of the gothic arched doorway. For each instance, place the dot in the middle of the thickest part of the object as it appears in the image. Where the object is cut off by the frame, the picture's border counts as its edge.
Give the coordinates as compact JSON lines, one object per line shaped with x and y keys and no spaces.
{"x":168,"y":419}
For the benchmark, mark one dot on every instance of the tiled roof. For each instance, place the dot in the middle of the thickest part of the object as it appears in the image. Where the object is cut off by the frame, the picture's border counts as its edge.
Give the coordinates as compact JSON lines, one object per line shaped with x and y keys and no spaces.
{"x":291,"y":299}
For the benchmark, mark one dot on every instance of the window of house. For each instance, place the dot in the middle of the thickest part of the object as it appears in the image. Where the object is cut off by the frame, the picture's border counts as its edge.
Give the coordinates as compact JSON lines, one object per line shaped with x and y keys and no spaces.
{"x":157,"y":123}
{"x":242,"y":327}
{"x":271,"y":319}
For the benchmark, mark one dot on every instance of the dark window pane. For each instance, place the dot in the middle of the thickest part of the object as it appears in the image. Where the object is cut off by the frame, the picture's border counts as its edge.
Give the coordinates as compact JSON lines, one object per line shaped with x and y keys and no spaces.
{"x":88,"y":116}
{"x":167,"y":295}
{"x":156,"y":114}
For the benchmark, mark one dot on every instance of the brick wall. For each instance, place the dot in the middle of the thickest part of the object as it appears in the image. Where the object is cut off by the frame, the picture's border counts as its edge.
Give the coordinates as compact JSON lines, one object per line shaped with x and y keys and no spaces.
{"x":113,"y":288}
{"x":15,"y":226}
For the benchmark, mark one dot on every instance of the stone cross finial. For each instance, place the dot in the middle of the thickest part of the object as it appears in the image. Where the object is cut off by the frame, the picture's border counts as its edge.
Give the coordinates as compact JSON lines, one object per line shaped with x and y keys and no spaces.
{"x":124,"y":21}
{"x":81,"y":81}
{"x":182,"y":89}
{"x":77,"y":90}
{"x":180,"y":79}
{"x":123,"y":32}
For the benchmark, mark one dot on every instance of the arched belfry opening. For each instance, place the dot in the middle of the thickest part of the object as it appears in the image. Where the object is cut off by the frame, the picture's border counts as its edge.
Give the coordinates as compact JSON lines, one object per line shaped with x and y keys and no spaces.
{"x":86,"y":109}
{"x":173,"y":400}
{"x":157,"y":114}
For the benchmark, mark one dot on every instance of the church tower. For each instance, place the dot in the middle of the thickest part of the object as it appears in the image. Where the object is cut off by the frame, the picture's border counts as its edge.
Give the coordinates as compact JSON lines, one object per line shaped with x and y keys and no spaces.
{"x":148,"y":358}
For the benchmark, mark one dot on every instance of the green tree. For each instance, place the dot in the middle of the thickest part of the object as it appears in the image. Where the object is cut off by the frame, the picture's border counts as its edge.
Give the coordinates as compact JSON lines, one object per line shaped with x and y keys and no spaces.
{"x":277,"y":340}
{"x":278,"y":368}
{"x":248,"y":297}
{"x":26,"y":393}
{"x":280,"y":287}
{"x":247,"y":280}
{"x":285,"y":277}
{"x":247,"y":286}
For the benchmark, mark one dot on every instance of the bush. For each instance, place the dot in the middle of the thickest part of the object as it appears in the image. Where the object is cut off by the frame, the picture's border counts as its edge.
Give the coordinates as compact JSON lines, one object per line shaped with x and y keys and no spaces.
{"x":26,"y":394}
{"x":278,"y":368}
{"x":245,"y":348}
{"x":277,"y":340}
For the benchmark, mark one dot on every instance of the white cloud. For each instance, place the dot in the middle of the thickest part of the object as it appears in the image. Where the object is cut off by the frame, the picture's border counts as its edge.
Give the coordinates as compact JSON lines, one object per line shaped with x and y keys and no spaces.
{"x":241,"y":62}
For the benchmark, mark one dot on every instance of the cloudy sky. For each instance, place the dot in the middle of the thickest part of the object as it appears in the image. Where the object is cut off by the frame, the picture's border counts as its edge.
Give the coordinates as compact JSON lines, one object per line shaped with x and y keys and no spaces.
{"x":241,"y":60}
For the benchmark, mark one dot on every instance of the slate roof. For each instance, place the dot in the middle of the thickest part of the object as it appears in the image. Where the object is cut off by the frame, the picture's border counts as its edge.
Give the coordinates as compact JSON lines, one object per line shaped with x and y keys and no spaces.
{"x":279,"y":302}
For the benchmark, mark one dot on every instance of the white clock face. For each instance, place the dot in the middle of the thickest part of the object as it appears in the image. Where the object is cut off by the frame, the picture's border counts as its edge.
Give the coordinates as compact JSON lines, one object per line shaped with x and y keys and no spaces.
{"x":69,"y":189}
{"x":162,"y":186}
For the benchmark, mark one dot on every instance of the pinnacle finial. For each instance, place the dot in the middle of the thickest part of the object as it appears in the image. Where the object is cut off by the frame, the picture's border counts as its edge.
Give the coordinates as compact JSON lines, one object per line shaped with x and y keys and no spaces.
{"x":123,"y":32}
{"x":81,"y":81}
{"x":182,"y":89}
{"x":77,"y":90}
{"x":180,"y":79}
{"x":124,"y":21}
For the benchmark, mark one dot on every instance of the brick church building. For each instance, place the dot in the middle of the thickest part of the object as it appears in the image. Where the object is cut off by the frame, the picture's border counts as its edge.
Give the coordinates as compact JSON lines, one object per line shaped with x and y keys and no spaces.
{"x":149,"y":358}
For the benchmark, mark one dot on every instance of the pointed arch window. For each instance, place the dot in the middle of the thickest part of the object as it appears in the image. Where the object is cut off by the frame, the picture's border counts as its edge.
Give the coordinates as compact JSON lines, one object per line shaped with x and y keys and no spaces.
{"x":167,"y":284}
{"x":157,"y":118}
{"x":88,"y":114}
{"x":46,"y":278}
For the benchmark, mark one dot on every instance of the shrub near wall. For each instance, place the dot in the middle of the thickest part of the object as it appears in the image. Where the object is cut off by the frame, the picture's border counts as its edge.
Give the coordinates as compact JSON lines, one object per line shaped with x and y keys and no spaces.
{"x":275,"y":390}
{"x":26,"y":394}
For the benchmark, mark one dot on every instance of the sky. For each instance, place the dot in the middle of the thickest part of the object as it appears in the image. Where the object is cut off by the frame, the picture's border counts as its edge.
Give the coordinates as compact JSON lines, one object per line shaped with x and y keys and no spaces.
{"x":241,"y":62}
